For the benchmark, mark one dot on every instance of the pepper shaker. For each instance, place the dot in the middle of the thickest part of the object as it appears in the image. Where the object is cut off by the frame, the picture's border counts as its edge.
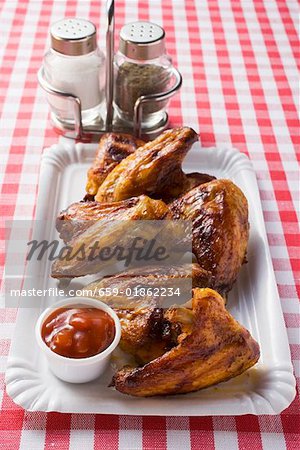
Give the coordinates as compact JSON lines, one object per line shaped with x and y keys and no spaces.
{"x":142,"y":68}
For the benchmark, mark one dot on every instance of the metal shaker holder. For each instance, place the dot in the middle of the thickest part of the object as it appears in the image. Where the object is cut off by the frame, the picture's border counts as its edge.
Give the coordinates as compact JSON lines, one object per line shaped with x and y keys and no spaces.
{"x":96,"y":129}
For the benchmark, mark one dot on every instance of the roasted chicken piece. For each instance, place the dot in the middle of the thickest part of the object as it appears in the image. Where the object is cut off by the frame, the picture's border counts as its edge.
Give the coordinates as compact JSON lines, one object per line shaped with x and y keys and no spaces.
{"x":219,"y":212}
{"x":113,"y":147}
{"x":125,"y":285}
{"x":213,"y":348}
{"x":154,"y":169}
{"x":85,"y":226}
{"x":146,"y":333}
{"x":191,"y":180}
{"x":81,"y":215}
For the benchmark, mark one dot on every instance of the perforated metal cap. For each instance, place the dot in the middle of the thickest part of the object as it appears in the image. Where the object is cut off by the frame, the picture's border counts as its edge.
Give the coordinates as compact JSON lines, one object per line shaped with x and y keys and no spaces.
{"x":73,"y":37}
{"x":142,"y":40}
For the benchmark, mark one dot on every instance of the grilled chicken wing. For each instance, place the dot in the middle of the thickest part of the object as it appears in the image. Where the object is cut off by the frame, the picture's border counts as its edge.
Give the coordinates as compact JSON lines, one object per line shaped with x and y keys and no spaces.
{"x":85,"y":225}
{"x":113,"y":147}
{"x":154,"y":169}
{"x":152,"y":277}
{"x":80,"y":215}
{"x":213,"y":348}
{"x":146,"y":333}
{"x":219,"y":212}
{"x":192,"y":180}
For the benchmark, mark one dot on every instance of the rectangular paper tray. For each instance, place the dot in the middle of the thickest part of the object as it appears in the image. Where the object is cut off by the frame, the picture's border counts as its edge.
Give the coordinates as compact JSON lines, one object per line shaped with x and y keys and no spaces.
{"x":267,"y":388}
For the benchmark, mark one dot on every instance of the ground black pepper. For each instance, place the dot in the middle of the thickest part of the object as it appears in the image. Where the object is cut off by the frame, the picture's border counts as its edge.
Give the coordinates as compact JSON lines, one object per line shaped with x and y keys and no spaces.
{"x":134,"y":80}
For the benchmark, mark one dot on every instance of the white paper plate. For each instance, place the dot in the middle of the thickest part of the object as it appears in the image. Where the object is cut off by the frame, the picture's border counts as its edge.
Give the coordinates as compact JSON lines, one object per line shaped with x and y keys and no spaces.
{"x":267,"y":388}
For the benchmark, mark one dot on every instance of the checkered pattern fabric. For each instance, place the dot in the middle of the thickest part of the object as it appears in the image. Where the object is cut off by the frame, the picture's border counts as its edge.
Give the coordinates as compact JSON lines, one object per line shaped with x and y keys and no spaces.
{"x":239,"y":60}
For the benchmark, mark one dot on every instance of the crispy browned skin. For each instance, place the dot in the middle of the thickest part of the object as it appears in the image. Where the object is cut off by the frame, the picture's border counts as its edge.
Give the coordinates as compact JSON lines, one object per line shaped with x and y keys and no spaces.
{"x":194,"y":179}
{"x":113,"y":147}
{"x":154,"y":169}
{"x":80,"y":215}
{"x":146,"y":333}
{"x":219,"y":212}
{"x":187,"y":182}
{"x":85,"y":224}
{"x":148,"y":277}
{"x":214,"y":348}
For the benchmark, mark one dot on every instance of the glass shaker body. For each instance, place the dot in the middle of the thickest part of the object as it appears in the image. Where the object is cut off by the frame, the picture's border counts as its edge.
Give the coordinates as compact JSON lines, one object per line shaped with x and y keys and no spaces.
{"x":134,"y":78}
{"x":83,"y":76}
{"x":142,"y":68}
{"x":75,"y":65}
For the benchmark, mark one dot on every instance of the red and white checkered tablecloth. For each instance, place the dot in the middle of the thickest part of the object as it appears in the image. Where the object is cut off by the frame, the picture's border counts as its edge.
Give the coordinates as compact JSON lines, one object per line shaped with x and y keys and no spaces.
{"x":239,"y":61}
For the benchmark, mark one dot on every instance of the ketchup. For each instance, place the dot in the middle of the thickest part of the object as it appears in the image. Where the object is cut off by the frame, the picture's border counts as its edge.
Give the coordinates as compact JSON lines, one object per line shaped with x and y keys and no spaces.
{"x":78,"y":332}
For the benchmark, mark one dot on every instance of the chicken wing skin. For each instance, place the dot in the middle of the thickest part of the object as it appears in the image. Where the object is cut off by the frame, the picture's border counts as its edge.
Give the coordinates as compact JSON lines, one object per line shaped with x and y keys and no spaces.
{"x":80,"y":215}
{"x":85,"y":224}
{"x":113,"y":147}
{"x":146,"y":333}
{"x":214,"y":348}
{"x":148,"y":277}
{"x":154,"y":169}
{"x":219,"y":212}
{"x":192,"y":180}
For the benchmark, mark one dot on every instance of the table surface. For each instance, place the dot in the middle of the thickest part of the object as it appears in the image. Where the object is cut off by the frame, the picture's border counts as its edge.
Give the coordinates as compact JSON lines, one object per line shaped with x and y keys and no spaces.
{"x":239,"y":64}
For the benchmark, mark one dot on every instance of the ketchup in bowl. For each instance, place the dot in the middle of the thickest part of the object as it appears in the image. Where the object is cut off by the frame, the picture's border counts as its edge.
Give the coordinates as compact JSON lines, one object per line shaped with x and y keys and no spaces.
{"x":78,"y":332}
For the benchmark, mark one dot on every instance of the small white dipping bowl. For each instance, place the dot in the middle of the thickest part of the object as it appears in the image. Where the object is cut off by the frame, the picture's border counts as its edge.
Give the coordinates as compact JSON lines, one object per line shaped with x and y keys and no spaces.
{"x":78,"y":370}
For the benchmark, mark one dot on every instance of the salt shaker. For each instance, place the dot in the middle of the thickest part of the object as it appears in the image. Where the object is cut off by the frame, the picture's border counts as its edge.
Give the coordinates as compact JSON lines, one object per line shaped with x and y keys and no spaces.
{"x":142,"y":67}
{"x":74,"y":64}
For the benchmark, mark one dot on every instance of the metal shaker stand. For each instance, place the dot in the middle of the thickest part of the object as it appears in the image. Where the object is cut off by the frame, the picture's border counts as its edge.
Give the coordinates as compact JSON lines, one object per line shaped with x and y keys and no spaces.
{"x":96,"y":129}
